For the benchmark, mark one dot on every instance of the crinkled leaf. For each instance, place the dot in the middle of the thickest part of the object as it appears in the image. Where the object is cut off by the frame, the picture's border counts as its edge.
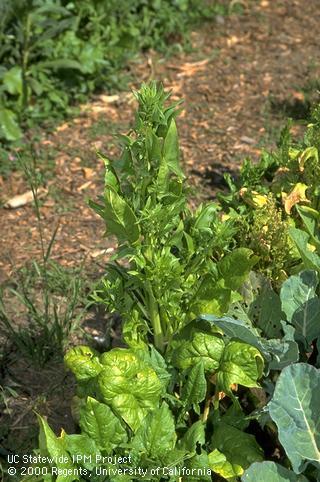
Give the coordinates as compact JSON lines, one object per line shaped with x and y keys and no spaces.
{"x":99,"y":422}
{"x":295,"y":408}
{"x":270,"y":471}
{"x":240,"y":363}
{"x":201,"y":345}
{"x":234,"y":268}
{"x":156,"y":436}
{"x":195,"y":386}
{"x":83,"y":362}
{"x":211,"y":297}
{"x":130,"y":386}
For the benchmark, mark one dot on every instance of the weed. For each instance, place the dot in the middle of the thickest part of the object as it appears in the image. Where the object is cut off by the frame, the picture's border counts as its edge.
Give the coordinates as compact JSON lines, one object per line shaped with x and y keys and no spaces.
{"x":49,"y":304}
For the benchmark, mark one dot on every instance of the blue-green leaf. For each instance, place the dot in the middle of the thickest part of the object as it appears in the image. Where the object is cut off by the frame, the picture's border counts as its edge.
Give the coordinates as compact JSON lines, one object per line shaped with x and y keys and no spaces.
{"x":310,"y":259}
{"x":270,"y":471}
{"x":295,"y":408}
{"x":301,"y":305}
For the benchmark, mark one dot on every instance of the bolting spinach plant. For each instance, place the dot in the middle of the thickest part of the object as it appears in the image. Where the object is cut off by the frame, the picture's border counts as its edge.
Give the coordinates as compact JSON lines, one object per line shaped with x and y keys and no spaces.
{"x":169,"y":266}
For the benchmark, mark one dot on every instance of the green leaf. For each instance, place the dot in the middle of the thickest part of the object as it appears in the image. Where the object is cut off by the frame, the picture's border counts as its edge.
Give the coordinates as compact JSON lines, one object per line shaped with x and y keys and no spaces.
{"x":310,"y":259}
{"x":57,"y":64}
{"x":111,"y":179}
{"x":240,"y":449}
{"x":195,"y":387}
{"x":170,"y":150}
{"x":200,"y":346}
{"x":129,"y":385}
{"x":119,"y":217}
{"x":52,"y":446}
{"x":270,"y":471}
{"x":9,"y":128}
{"x":240,"y":363}
{"x":235,"y":267}
{"x":205,"y":216}
{"x":156,"y":436}
{"x":83,"y":362}
{"x":12,"y":81}
{"x":212,"y":297}
{"x":82,"y":446}
{"x":295,"y":408}
{"x":199,"y":466}
{"x":194,"y":436}
{"x":99,"y":422}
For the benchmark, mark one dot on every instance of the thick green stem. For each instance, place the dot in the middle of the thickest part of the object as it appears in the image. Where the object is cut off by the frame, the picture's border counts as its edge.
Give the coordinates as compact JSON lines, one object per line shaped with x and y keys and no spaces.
{"x":155,"y":319}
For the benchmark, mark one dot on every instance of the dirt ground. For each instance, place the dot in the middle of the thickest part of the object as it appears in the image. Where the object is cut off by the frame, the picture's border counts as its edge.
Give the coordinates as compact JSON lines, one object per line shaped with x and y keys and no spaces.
{"x":245,"y":75}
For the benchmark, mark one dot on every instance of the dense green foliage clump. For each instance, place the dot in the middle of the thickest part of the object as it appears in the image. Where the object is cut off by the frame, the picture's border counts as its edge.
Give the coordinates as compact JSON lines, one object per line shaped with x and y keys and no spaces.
{"x":53,"y":52}
{"x":218,"y":376}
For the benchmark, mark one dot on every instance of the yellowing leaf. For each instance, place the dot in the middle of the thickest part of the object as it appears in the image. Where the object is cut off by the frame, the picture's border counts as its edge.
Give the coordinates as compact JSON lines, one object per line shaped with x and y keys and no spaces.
{"x":220,"y":465}
{"x":297,"y":195}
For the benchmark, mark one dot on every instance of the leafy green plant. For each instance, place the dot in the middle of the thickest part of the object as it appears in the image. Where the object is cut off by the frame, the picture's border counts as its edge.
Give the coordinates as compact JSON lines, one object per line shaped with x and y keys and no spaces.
{"x":212,"y":349}
{"x":169,"y":266}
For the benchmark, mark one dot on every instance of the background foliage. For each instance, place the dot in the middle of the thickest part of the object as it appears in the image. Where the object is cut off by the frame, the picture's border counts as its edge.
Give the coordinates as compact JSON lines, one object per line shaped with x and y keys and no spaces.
{"x":54,"y":52}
